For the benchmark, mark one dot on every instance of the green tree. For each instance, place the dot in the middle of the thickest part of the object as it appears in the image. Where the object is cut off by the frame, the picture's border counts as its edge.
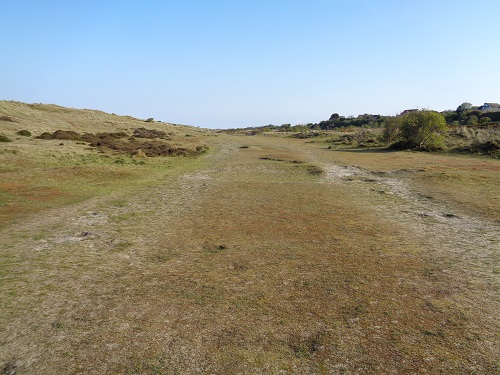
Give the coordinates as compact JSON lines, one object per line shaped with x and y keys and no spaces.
{"x":422,"y":129}
{"x":464,"y":107}
{"x":484,"y":120}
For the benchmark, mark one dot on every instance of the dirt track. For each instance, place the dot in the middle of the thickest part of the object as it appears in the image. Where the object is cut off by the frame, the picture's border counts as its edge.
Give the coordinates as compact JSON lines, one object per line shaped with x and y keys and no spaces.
{"x":252,"y":264}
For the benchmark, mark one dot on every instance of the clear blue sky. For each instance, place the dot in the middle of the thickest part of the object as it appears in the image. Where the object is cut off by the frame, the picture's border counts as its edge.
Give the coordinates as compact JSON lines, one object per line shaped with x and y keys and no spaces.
{"x":238,"y":63}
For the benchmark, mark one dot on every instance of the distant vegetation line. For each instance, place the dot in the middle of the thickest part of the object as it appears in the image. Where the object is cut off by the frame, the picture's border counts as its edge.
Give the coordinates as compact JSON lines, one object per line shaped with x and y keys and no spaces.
{"x":465,"y":114}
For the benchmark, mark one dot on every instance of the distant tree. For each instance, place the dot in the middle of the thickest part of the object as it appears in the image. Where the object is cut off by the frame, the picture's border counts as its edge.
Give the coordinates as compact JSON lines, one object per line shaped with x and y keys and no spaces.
{"x":422,"y":129}
{"x":464,"y":107}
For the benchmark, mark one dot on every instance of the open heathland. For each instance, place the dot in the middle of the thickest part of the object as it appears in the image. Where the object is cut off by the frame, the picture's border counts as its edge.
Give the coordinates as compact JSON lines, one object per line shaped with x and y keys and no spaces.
{"x":259,"y":254}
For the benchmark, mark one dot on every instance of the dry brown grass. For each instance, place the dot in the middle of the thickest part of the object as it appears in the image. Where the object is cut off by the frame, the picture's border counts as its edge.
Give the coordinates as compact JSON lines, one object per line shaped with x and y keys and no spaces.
{"x":468,"y":183}
{"x":242,"y":261}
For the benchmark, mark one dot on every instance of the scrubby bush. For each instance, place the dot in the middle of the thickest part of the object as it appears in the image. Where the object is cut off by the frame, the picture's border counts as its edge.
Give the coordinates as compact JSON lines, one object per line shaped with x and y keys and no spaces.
{"x":391,"y":130}
{"x":422,"y":129}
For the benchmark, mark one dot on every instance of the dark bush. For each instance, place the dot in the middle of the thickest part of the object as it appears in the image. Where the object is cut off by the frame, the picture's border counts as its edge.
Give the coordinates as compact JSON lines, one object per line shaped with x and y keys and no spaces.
{"x":149,"y":133}
{"x":45,"y":135}
{"x":24,"y":133}
{"x":66,"y":135}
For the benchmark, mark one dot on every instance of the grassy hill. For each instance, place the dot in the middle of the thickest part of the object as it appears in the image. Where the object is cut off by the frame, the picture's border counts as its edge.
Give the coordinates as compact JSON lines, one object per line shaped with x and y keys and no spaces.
{"x":39,"y":118}
{"x":64,"y":168}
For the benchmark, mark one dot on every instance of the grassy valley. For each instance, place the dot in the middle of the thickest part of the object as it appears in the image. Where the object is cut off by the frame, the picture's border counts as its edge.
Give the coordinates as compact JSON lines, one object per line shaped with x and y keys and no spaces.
{"x":241,"y":252}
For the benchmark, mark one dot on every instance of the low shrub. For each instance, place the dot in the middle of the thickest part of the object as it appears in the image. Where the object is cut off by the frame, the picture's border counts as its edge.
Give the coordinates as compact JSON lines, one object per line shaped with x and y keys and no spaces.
{"x":4,"y":138}
{"x":149,"y":133}
{"x":44,"y":135}
{"x":24,"y":133}
{"x":66,"y":135}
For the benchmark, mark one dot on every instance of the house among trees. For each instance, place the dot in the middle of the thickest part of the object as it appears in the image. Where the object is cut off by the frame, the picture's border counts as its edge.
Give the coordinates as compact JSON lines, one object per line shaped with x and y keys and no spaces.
{"x":490,"y":107}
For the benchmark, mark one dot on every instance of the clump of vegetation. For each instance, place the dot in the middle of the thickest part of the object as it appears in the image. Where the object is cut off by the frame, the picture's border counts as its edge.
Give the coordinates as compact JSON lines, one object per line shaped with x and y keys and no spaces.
{"x":115,"y":141}
{"x":149,"y":133}
{"x":307,"y":134}
{"x":391,"y":130}
{"x":93,"y":139}
{"x":489,"y":148}
{"x":4,"y":138}
{"x":365,"y":138}
{"x":24,"y":133}
{"x":150,"y":148}
{"x":422,"y":130}
{"x":337,"y":121}
{"x":66,"y":135}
